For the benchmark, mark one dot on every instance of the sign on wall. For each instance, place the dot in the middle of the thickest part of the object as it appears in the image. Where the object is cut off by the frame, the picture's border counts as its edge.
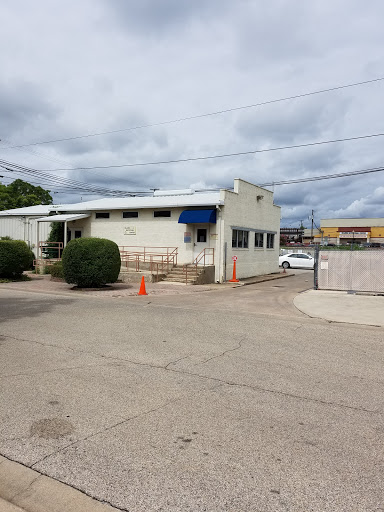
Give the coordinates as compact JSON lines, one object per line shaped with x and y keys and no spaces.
{"x":130,"y":230}
{"x":214,"y":236}
{"x":187,"y":237}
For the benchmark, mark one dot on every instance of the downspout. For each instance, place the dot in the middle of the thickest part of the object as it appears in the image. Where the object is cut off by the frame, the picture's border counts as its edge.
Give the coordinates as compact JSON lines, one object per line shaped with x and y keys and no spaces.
{"x":218,"y":256}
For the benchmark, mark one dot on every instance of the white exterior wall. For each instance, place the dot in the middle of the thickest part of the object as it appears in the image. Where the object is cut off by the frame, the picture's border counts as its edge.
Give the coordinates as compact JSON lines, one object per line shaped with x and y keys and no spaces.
{"x":150,"y":231}
{"x":243,"y":210}
{"x":24,"y":228}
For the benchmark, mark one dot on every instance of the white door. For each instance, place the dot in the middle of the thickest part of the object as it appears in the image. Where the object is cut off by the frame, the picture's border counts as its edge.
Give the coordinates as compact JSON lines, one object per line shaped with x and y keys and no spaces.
{"x":74,"y":233}
{"x":201,"y":239}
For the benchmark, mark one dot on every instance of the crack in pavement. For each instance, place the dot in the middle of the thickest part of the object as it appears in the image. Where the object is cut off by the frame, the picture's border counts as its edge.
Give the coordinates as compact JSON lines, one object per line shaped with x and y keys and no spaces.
{"x":174,"y":362}
{"x":223,"y":353}
{"x":216,"y":379}
{"x":51,"y":371}
{"x":110,"y":427}
{"x":46,"y":475}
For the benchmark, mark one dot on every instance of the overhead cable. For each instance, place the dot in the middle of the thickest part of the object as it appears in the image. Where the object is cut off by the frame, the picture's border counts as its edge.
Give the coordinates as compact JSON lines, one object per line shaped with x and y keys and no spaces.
{"x":199,"y":116}
{"x":211,"y":157}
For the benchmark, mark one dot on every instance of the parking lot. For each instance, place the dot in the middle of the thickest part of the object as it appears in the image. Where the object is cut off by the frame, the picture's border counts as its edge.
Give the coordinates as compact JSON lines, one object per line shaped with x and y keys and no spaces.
{"x":222,"y":400}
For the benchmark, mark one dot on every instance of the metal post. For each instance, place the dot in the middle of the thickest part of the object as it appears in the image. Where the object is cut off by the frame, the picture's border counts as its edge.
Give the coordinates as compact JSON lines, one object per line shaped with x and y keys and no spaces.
{"x":65,"y":233}
{"x":316,"y":269}
{"x":38,"y":236}
{"x":312,"y":228}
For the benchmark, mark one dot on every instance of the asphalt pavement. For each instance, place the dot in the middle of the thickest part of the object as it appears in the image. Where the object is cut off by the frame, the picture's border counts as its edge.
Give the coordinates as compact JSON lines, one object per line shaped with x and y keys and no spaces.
{"x":224,"y":400}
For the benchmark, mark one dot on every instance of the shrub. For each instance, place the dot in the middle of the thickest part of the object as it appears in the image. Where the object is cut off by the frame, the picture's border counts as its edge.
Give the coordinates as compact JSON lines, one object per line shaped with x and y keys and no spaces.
{"x":91,"y":262}
{"x":15,"y":257}
{"x":56,"y":270}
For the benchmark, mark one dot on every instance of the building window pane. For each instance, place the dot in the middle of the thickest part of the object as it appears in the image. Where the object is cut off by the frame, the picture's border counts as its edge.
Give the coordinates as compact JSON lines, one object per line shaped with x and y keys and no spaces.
{"x":201,"y":235}
{"x":102,"y":215}
{"x":162,"y":213}
{"x":240,"y":238}
{"x":259,"y":239}
{"x":270,"y":240}
{"x":130,"y":215}
{"x":234,"y":237}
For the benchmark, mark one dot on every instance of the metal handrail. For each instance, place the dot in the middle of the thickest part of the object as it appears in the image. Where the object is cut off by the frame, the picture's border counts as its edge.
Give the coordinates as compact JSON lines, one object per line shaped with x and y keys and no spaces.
{"x":157,"y":260}
{"x":201,"y":256}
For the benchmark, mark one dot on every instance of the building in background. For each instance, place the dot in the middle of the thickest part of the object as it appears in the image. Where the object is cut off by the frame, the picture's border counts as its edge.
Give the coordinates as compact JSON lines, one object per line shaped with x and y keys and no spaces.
{"x":20,"y":224}
{"x":347,"y":231}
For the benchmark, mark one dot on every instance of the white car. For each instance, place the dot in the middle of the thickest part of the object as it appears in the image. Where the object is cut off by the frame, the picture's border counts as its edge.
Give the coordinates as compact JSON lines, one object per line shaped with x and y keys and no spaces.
{"x":296,"y":260}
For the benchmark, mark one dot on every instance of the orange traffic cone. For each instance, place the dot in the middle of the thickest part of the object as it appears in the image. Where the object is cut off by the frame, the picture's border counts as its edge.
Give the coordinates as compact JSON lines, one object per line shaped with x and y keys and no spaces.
{"x":234,"y":280}
{"x":142,"y":287}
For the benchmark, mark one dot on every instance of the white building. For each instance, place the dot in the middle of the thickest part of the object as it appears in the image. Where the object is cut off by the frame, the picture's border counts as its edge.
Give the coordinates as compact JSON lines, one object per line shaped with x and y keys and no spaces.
{"x":20,"y":224}
{"x":218,"y":225}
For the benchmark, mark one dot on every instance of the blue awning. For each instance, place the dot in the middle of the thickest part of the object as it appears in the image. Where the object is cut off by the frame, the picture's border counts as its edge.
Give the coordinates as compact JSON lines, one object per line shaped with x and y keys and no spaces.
{"x":198,"y":217}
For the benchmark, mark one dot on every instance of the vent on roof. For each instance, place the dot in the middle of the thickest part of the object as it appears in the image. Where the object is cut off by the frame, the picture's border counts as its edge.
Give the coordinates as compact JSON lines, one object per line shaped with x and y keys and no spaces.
{"x":183,"y":192}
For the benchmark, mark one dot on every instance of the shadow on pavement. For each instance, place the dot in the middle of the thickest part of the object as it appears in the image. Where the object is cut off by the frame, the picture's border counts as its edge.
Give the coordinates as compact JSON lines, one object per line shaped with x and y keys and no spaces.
{"x":14,"y":308}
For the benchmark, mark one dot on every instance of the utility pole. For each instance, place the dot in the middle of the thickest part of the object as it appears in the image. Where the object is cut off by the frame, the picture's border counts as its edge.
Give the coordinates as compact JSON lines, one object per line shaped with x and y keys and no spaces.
{"x":312,"y":227}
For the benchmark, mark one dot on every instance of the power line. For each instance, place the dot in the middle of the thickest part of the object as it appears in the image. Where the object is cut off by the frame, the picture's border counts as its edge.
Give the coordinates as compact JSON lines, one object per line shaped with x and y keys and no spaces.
{"x":324,"y":177}
{"x":199,"y":116}
{"x":66,"y":183}
{"x":211,"y":157}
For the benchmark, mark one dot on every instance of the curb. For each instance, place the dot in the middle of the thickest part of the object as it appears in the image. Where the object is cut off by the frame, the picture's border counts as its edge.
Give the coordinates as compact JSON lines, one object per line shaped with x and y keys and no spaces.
{"x":25,"y":490}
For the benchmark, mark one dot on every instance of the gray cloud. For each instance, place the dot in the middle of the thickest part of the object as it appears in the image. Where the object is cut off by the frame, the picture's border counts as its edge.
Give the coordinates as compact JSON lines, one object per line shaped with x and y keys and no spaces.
{"x":95,"y":66}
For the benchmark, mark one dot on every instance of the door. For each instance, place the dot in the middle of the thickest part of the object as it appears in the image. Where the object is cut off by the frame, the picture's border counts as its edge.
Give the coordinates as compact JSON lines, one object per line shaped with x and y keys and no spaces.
{"x":201,"y":239}
{"x":74,"y":233}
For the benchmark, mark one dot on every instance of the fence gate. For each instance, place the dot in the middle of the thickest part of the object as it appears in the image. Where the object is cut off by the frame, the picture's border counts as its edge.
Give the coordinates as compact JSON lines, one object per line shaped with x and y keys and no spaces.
{"x":349,"y":270}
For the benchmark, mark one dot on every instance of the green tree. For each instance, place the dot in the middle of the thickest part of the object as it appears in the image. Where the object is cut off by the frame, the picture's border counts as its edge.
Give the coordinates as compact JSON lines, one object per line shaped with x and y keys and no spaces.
{"x":20,"y":193}
{"x":55,"y":235}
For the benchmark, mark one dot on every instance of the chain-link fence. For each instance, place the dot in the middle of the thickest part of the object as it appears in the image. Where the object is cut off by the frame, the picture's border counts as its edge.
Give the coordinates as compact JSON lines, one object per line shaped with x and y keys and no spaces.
{"x":355,"y":269}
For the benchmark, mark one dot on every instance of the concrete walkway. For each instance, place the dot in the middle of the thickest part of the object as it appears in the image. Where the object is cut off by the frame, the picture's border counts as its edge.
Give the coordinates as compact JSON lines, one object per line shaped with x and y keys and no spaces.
{"x":24,"y":490}
{"x":342,"y":307}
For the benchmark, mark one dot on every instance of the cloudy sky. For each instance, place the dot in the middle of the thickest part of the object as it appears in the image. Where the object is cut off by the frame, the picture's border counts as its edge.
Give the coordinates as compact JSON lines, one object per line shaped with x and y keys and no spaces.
{"x":89,"y":66}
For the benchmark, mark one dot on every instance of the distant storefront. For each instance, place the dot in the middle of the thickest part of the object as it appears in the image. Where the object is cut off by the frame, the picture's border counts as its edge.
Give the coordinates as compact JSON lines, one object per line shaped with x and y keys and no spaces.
{"x":347,"y":231}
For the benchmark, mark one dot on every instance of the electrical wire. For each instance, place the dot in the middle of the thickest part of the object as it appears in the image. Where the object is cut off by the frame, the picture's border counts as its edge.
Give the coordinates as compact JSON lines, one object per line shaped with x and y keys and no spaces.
{"x":68,"y":184}
{"x":323,"y":177}
{"x":212,"y":157}
{"x":199,"y":116}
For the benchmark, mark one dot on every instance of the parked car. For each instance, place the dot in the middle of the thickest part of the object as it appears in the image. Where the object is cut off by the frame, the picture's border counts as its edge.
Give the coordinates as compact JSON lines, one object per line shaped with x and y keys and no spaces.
{"x":296,"y":260}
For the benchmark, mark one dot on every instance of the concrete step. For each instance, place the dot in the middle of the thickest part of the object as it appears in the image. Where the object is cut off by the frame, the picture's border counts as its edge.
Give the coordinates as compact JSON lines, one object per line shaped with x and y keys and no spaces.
{"x":179,"y":280}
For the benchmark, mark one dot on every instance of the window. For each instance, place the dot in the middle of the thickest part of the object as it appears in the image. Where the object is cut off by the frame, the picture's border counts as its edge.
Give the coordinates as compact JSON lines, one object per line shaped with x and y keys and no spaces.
{"x":162,"y":213}
{"x":270,"y":240}
{"x":102,"y":215}
{"x":201,"y":235}
{"x":240,"y":238}
{"x":259,"y":239}
{"x":130,"y":215}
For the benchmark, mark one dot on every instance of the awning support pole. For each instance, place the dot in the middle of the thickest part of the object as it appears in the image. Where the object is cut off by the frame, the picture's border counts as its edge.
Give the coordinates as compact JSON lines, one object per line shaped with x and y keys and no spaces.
{"x":65,"y":233}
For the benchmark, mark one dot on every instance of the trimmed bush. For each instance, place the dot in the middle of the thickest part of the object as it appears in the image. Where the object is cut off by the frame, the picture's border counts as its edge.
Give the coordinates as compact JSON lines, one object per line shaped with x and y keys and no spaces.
{"x":15,"y":257}
{"x":56,"y":270}
{"x":91,"y":262}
